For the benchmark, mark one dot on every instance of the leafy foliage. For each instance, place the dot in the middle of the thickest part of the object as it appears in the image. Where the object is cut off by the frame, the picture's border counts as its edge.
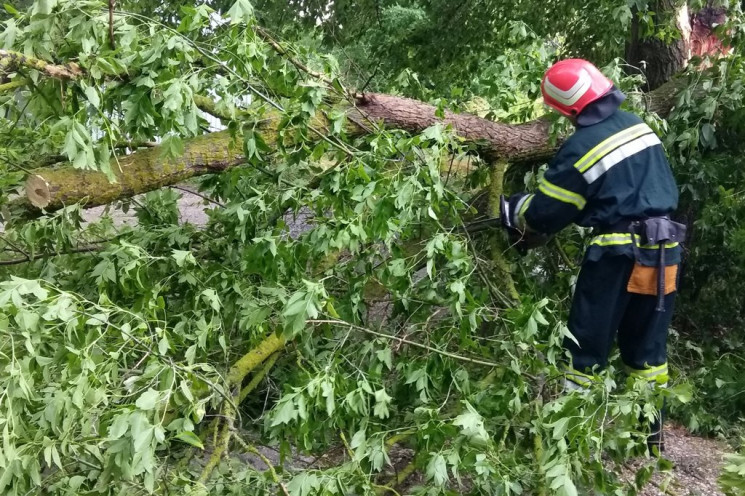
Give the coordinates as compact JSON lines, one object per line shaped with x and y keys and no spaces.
{"x":333,"y":305}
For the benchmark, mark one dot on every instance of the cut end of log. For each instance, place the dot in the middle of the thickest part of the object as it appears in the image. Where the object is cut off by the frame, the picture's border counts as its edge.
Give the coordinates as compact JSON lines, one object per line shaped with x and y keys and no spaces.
{"x":37,"y":191}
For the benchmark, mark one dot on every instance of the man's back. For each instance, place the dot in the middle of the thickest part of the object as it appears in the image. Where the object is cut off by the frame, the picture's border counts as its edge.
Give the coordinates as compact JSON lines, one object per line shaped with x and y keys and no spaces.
{"x":626,"y":171}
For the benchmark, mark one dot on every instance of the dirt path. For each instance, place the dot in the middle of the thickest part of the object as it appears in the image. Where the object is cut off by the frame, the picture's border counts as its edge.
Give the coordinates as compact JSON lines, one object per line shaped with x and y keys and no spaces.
{"x":696,"y":461}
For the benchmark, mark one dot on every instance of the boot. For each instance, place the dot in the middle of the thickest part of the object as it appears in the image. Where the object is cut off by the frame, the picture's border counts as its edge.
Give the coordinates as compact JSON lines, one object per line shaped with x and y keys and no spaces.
{"x":656,"y":438}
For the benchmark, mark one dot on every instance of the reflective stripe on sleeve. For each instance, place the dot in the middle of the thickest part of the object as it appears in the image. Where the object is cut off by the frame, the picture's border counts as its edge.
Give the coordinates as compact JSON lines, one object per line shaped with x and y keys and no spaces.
{"x":522,"y":205}
{"x":561,"y":194}
{"x":521,"y":208}
{"x":619,"y":154}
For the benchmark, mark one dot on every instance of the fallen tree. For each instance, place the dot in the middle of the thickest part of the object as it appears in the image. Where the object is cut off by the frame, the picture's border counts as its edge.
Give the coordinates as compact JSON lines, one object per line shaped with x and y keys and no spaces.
{"x":146,"y":170}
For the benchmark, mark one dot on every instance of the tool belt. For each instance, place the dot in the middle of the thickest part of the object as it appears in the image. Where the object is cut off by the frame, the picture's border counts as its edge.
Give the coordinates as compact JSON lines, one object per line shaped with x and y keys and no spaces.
{"x":651,"y":231}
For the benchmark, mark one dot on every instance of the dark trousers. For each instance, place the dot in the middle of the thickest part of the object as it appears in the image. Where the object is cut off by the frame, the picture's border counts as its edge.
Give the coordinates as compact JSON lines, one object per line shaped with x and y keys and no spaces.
{"x":602,"y":306}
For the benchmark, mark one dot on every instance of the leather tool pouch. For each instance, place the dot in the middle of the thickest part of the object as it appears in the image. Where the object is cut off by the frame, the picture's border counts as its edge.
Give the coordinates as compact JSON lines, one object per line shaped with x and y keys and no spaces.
{"x":662,"y":279}
{"x":644,"y":280}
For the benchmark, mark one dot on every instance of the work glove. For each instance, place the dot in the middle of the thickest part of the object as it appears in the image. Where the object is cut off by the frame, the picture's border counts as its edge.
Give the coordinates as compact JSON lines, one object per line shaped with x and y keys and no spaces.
{"x":520,"y":236}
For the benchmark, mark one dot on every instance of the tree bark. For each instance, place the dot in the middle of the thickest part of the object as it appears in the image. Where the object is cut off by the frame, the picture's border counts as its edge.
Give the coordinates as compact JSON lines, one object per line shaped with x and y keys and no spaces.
{"x":53,"y":187}
{"x":516,"y":143}
{"x":657,"y":60}
{"x":142,"y":171}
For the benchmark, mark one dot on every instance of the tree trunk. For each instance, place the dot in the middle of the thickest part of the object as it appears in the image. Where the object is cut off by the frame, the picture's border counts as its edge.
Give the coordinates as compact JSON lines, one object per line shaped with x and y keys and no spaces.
{"x":659,"y":61}
{"x":518,"y":143}
{"x":51,"y":188}
{"x":655,"y":59}
{"x":142,"y":171}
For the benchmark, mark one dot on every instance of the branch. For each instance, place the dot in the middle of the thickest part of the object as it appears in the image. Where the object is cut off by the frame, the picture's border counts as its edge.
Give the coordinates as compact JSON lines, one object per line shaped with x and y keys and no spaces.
{"x":496,"y":189}
{"x":272,"y":471}
{"x":146,"y":170}
{"x":29,"y":258}
{"x":248,"y":362}
{"x":258,"y":377}
{"x":266,"y":349}
{"x":406,"y":341}
{"x":400,"y":476}
{"x":18,"y":83}
{"x":282,"y":52}
{"x":111,"y":24}
{"x":10,"y":61}
{"x":223,"y":442}
{"x":209,"y":106}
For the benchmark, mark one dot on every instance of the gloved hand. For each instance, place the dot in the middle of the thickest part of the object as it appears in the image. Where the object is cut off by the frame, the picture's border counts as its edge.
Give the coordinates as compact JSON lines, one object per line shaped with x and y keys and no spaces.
{"x":520,"y":235}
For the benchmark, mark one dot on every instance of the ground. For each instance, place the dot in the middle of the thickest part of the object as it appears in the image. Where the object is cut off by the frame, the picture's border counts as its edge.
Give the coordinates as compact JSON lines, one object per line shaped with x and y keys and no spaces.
{"x":696,"y":460}
{"x":696,"y":465}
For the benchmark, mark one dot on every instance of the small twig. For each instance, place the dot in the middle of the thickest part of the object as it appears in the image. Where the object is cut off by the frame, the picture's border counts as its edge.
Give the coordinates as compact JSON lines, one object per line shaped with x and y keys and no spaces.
{"x":406,"y":341}
{"x":16,"y":247}
{"x":563,"y":255}
{"x":252,"y":449}
{"x":196,"y":193}
{"x":375,"y":71}
{"x":136,"y":366}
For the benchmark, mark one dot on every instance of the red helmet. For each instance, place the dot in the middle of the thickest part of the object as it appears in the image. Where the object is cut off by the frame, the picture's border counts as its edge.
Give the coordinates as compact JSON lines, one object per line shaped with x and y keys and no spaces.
{"x":572,"y":84}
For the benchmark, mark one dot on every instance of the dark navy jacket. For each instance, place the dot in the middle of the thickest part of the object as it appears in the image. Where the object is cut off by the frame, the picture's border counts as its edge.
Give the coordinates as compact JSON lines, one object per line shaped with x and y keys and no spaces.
{"x":606,"y":172}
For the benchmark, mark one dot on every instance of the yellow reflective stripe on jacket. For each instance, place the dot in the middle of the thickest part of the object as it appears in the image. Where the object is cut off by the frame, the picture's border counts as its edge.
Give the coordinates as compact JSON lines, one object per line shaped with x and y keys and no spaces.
{"x":614,"y":239}
{"x":561,"y":194}
{"x":619,"y":155}
{"x":610,"y":144}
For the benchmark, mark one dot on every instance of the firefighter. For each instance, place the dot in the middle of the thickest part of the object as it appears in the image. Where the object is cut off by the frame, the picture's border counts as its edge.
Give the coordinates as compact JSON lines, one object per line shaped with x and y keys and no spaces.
{"x":611,"y":175}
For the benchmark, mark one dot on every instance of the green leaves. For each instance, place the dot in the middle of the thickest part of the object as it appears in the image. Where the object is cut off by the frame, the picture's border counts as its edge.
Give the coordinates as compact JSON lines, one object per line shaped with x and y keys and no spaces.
{"x":190,"y":438}
{"x":43,"y":7}
{"x":437,"y":470}
{"x":382,"y":401}
{"x":732,"y":480}
{"x":241,"y":12}
{"x":148,"y":400}
{"x":116,"y":365}
{"x":560,"y":481}
{"x":92,"y":95}
{"x":303,"y":305}
{"x":472,"y":425}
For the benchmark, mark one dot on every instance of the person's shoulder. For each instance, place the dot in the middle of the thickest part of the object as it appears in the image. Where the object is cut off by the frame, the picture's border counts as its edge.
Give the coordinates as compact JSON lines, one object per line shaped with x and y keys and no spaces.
{"x":627,"y":117}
